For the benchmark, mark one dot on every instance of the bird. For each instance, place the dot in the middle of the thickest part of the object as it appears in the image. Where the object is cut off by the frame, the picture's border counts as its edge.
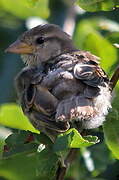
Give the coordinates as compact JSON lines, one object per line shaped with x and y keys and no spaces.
{"x":60,"y":86}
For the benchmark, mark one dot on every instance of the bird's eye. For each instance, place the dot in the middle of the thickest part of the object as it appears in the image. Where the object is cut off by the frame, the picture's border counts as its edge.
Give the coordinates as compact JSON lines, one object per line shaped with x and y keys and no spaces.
{"x":40,"y":40}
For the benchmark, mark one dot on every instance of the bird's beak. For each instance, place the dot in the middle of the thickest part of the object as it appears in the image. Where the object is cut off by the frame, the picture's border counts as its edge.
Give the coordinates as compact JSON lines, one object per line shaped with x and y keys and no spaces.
{"x":19,"y":47}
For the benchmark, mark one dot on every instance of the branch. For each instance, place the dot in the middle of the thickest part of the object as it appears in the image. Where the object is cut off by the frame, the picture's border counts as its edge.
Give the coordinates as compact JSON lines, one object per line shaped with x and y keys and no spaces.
{"x":114,"y":78}
{"x":61,"y":172}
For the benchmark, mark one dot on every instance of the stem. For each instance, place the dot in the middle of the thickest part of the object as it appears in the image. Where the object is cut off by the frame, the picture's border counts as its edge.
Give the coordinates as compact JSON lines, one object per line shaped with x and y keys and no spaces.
{"x":61,"y":172}
{"x":114,"y":78}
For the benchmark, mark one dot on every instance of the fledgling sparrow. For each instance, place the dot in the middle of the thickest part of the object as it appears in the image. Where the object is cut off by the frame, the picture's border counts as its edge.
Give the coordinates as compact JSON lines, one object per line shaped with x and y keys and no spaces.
{"x":61,"y":86}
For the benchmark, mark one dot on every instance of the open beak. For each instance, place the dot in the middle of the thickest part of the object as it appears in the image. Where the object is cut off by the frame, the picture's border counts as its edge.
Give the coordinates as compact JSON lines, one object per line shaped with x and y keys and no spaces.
{"x":19,"y":47}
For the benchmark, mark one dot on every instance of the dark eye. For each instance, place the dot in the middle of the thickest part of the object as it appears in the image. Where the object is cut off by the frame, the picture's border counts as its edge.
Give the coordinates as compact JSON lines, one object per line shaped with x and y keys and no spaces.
{"x":40,"y":40}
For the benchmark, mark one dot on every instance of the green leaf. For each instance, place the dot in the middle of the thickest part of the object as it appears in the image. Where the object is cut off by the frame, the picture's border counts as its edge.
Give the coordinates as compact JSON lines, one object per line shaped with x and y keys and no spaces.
{"x":18,"y":142}
{"x":26,"y":8}
{"x":42,"y":138}
{"x":47,"y":164}
{"x":91,"y":40}
{"x":32,"y":2}
{"x":111,"y":129}
{"x":72,"y":139}
{"x":103,"y":49}
{"x":17,"y":138}
{"x":98,"y":5}
{"x":47,"y":160}
{"x":11,"y":115}
{"x":30,"y":165}
{"x":21,"y":166}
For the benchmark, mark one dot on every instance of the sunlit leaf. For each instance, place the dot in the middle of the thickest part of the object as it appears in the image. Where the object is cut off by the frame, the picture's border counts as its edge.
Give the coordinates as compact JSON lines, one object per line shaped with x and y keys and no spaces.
{"x":97,"y":5}
{"x":26,"y":8}
{"x":11,"y":115}
{"x":72,"y":139}
{"x":87,"y":37}
{"x":32,"y":2}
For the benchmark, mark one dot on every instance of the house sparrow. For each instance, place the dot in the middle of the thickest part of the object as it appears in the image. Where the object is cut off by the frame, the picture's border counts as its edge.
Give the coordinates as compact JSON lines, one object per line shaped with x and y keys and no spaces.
{"x":61,"y":86}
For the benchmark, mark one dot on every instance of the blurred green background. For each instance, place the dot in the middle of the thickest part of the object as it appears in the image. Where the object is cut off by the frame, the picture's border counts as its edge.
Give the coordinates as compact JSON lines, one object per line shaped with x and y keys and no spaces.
{"x":93,"y":31}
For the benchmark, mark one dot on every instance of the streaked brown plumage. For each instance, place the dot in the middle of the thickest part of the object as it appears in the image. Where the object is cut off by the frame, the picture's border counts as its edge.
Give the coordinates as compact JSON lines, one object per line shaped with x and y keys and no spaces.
{"x":61,"y":87}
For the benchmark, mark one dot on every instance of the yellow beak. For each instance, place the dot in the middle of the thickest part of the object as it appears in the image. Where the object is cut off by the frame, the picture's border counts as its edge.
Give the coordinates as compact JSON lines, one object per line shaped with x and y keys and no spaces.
{"x":19,"y":47}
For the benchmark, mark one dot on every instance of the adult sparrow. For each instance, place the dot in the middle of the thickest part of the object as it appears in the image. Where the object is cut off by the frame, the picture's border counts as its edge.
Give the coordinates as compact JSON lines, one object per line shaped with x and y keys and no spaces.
{"x":61,"y":86}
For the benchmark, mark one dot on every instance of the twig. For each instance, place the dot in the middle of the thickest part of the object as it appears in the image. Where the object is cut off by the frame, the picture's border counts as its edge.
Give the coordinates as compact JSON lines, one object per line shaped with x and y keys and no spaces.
{"x":114,"y":78}
{"x":61,"y":172}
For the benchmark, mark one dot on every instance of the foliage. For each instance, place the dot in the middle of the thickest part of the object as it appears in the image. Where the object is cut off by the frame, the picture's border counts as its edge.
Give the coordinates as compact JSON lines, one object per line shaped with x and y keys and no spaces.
{"x":26,"y":8}
{"x":101,"y":47}
{"x":25,"y":153}
{"x":98,"y":5}
{"x":11,"y":115}
{"x":72,"y":139}
{"x":111,"y":130}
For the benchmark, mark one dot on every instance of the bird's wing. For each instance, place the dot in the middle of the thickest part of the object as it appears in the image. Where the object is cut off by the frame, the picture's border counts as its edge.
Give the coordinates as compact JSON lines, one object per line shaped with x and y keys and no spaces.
{"x":37,"y":102}
{"x":27,"y":98}
{"x":81,"y":105}
{"x":40,"y":106}
{"x":88,"y":70}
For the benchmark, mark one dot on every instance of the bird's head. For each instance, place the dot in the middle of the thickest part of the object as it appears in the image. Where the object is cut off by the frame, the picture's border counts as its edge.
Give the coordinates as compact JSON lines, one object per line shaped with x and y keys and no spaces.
{"x":41,"y":44}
